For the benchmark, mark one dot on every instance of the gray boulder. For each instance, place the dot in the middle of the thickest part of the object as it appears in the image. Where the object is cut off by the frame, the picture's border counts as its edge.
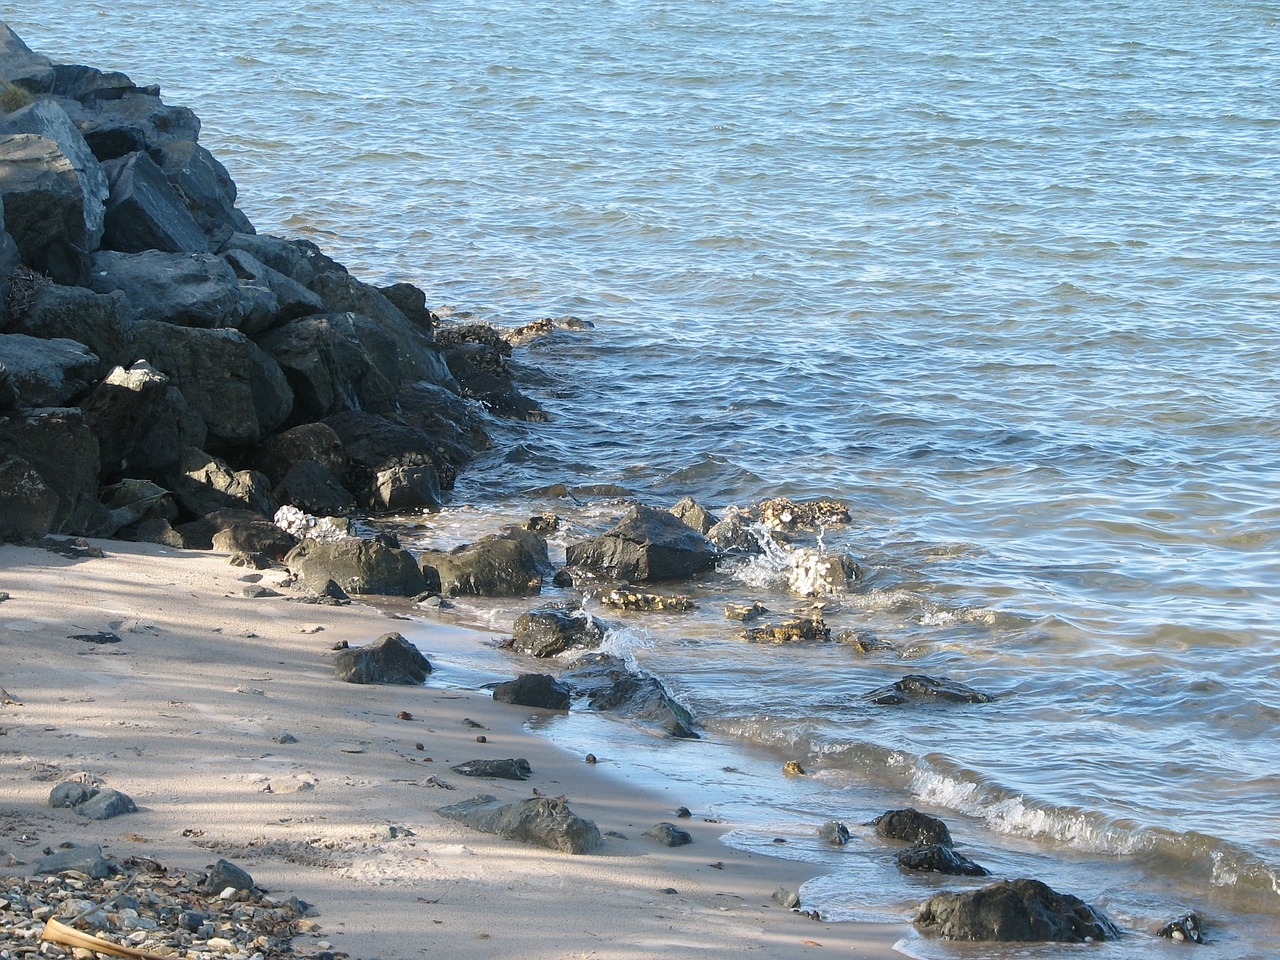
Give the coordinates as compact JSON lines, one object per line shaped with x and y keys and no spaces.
{"x":510,"y":564}
{"x":389,"y":659}
{"x":120,"y":411}
{"x":254,"y":536}
{"x":918,"y":688}
{"x":939,"y":858}
{"x":611,"y":686}
{"x":548,"y":631}
{"x":102,"y":323}
{"x":71,"y":793}
{"x":357,"y":566}
{"x":455,"y":426}
{"x":405,"y":487}
{"x":133,"y":501}
{"x":144,"y":212}
{"x":224,"y":874}
{"x":44,"y":207}
{"x":313,"y":489}
{"x":510,"y":769}
{"x":328,"y":367}
{"x":300,"y":260}
{"x":187,"y":289}
{"x":1015,"y":911}
{"x":646,"y":545}
{"x":87,"y":860}
{"x":287,"y":299}
{"x":49,"y":465}
{"x":205,"y":483}
{"x":912,"y":826}
{"x":106,"y":804}
{"x":27,"y":504}
{"x":540,"y":821}
{"x":669,"y":835}
{"x":46,"y":119}
{"x":834,"y":832}
{"x":21,"y":67}
{"x":375,"y":444}
{"x":315,"y":442}
{"x":47,"y":373}
{"x":204,"y":186}
{"x":539,"y":690}
{"x":693,"y":514}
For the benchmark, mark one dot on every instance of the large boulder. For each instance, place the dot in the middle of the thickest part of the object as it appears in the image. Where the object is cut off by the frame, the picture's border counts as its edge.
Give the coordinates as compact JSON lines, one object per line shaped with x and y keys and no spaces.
{"x":187,"y":289}
{"x":510,"y":564}
{"x":357,"y":566}
{"x":47,"y":373}
{"x":315,"y":442}
{"x":541,"y":821}
{"x":405,"y":487}
{"x":49,"y":463}
{"x":259,"y":536}
{"x":277,"y":298}
{"x":21,"y":67}
{"x":46,"y":119}
{"x":455,"y":425}
{"x":550,"y":631}
{"x":328,"y":367}
{"x":204,"y":186}
{"x":611,"y":686}
{"x":205,"y":483}
{"x":310,"y":487}
{"x":912,"y":826}
{"x":539,"y":690}
{"x":44,"y":207}
{"x":144,"y":212}
{"x":375,"y":444}
{"x":1015,"y":911}
{"x":300,"y":260}
{"x":121,"y":410}
{"x":103,"y":323}
{"x":28,"y":504}
{"x":646,"y":545}
{"x":10,"y":260}
{"x":389,"y":659}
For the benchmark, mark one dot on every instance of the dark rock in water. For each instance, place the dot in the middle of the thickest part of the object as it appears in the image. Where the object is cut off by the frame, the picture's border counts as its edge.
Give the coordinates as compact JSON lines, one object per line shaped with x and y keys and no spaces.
{"x":85,"y":859}
{"x":647,"y":544}
{"x":357,"y":566}
{"x":834,"y":832}
{"x":225,"y":874}
{"x":477,"y":357}
{"x":106,"y":804}
{"x":548,"y":631}
{"x":734,"y":534}
{"x":374,"y":444}
{"x":939,"y":858}
{"x":405,"y":487}
{"x":495,"y":769}
{"x":624,"y":598}
{"x":919,"y":688}
{"x":510,"y":564}
{"x":744,"y":612}
{"x":453,"y":424}
{"x":540,"y":821}
{"x":798,"y":630}
{"x":609,"y":685}
{"x":1015,"y":911}
{"x":534,"y":690}
{"x":912,"y":826}
{"x":412,"y":302}
{"x":389,"y":659}
{"x":692,"y":514}
{"x":783,"y":514}
{"x":71,"y":793}
{"x":669,"y":835}
{"x":1188,"y":928}
{"x":863,"y":642}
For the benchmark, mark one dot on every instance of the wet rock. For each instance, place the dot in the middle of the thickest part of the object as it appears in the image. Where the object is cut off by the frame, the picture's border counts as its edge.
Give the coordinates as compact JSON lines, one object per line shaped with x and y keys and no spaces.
{"x":912,"y":826}
{"x":549,"y":631}
{"x":389,"y":659}
{"x":783,"y":514}
{"x":106,"y":804}
{"x":308,"y":442}
{"x":692,"y":514}
{"x":624,"y":598}
{"x":539,"y":690}
{"x":357,"y":566}
{"x":541,"y":821}
{"x":646,"y":545}
{"x":735,"y":534}
{"x":918,"y":688}
{"x":611,"y":686}
{"x":669,"y":835}
{"x":1188,"y":928}
{"x":812,"y":629}
{"x":495,"y":769}
{"x":405,"y":487}
{"x":862,"y":642}
{"x":510,"y":564}
{"x":817,"y":574}
{"x":787,"y":898}
{"x":939,"y":858}
{"x":1015,"y":911}
{"x":744,"y":611}
{"x":225,"y":874}
{"x":834,"y":832}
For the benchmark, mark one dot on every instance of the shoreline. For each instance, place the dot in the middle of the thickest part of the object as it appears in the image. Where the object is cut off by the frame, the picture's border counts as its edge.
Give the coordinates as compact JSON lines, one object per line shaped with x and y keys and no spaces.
{"x":182,"y":713}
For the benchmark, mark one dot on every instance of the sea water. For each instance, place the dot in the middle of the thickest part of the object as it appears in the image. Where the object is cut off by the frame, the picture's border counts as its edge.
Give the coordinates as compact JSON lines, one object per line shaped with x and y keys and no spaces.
{"x":1002,"y":277}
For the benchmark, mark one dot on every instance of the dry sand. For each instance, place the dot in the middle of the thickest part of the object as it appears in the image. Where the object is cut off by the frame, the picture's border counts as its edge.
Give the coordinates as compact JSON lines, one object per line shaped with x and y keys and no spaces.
{"x":182,"y":715}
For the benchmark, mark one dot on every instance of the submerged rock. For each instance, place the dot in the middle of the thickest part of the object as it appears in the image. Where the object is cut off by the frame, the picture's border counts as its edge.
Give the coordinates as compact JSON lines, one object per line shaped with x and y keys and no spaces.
{"x":920,"y":688}
{"x":624,"y":598}
{"x":1015,"y":911}
{"x":834,"y":832}
{"x":539,"y":690}
{"x":783,"y":514}
{"x":549,"y":631}
{"x":646,"y":545}
{"x":1188,"y":928}
{"x":691,"y":513}
{"x":939,"y":858}
{"x":510,"y":564}
{"x":610,"y":685}
{"x":541,"y":821}
{"x":912,"y":826}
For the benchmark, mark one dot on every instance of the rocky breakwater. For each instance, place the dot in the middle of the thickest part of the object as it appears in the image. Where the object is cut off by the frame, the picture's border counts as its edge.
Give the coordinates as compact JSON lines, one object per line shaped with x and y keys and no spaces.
{"x":166,"y":372}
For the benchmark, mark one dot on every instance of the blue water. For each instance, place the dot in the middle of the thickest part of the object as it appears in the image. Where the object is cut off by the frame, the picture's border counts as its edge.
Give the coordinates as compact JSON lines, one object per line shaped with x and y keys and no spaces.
{"x":1002,"y":277}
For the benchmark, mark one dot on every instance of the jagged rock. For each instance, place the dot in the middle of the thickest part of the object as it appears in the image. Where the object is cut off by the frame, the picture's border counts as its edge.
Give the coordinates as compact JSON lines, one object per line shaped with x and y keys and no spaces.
{"x":316,"y":442}
{"x":692,"y":514}
{"x":144,"y":212}
{"x":190,"y":290}
{"x":19,"y":66}
{"x":669,"y":835}
{"x":89,"y":84}
{"x":134,"y":501}
{"x":357,"y":566}
{"x":939,"y":858}
{"x":533,"y":690}
{"x":495,"y":769}
{"x":1188,"y":928}
{"x":306,"y":527}
{"x":920,"y":688}
{"x":482,"y":374}
{"x":314,"y":489}
{"x":510,"y":564}
{"x":205,"y":187}
{"x":624,"y":598}
{"x":205,"y":483}
{"x":199,"y":534}
{"x":610,"y":686}
{"x":912,"y":826}
{"x":49,"y":476}
{"x":224,"y":874}
{"x":374,"y":444}
{"x":389,"y":659}
{"x":159,"y":530}
{"x":254,"y":536}
{"x":814,"y":573}
{"x":47,"y":373}
{"x":541,"y":821}
{"x":120,"y":412}
{"x":1015,"y":911}
{"x":548,"y":631}
{"x":103,"y":323}
{"x":106,"y":804}
{"x":412,"y":302}
{"x":71,"y":793}
{"x":834,"y":833}
{"x":300,"y":260}
{"x":735,"y":533}
{"x":328,"y":367}
{"x":863,"y":642}
{"x":405,"y":487}
{"x":44,"y":207}
{"x":745,"y":612}
{"x":786,"y":515}
{"x":454,"y":425}
{"x":288,"y":300}
{"x":647,"y":544}
{"x":46,"y":119}
{"x":811,"y":629}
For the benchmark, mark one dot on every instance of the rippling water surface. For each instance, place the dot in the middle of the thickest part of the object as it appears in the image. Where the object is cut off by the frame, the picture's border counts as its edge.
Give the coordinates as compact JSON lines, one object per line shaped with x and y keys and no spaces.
{"x":1002,"y":277}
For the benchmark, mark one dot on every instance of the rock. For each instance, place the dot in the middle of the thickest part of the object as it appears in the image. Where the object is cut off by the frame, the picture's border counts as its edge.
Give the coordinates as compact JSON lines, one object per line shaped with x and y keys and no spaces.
{"x":1015,"y":911}
{"x":47,"y":373}
{"x":46,"y":119}
{"x":534,"y":690}
{"x":300,"y":260}
{"x":225,"y":874}
{"x":101,"y":322}
{"x":647,"y":544}
{"x":313,"y":442}
{"x":744,"y":611}
{"x":912,"y":826}
{"x":328,"y":367}
{"x":692,"y":514}
{"x":863,"y":642}
{"x":923,"y":689}
{"x":306,"y":527}
{"x":389,"y":659}
{"x":374,"y":444}
{"x":540,"y":821}
{"x":71,"y":793}
{"x":1188,"y":928}
{"x":357,"y":566}
{"x":205,"y":187}
{"x":939,"y":858}
{"x":735,"y":533}
{"x":811,"y":629}
{"x":548,"y":631}
{"x":411,"y":302}
{"x":205,"y":483}
{"x":199,"y":534}
{"x":310,"y":487}
{"x":510,"y":564}
{"x":477,"y":358}
{"x":610,"y":686}
{"x":189,"y":290}
{"x":792,"y":768}
{"x":144,"y":212}
{"x":254,"y":537}
{"x":106,"y":804}
{"x":817,"y":574}
{"x":669,"y":835}
{"x":132,"y":501}
{"x":286,"y":299}
{"x":783,"y":514}
{"x":401,"y":488}
{"x":44,"y":207}
{"x":49,"y":476}
{"x":120,"y":411}
{"x":19,"y":66}
{"x":495,"y":769}
{"x":88,"y":860}
{"x":453,"y":424}
{"x":624,"y":598}
{"x":787,"y":898}
{"x":834,"y":832}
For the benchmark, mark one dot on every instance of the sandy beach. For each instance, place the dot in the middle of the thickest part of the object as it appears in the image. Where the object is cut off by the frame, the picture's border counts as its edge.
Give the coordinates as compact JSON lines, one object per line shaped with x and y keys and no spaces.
{"x":183,"y":715}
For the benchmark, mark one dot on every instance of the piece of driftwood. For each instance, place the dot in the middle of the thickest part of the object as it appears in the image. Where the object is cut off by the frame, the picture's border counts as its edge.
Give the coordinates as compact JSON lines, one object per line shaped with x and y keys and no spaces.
{"x":60,"y":933}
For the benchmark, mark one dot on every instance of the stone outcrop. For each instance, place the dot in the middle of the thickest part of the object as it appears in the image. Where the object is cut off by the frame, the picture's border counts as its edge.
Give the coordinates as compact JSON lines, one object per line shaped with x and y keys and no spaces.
{"x":1015,"y":911}
{"x":509,"y":564}
{"x":645,"y":545}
